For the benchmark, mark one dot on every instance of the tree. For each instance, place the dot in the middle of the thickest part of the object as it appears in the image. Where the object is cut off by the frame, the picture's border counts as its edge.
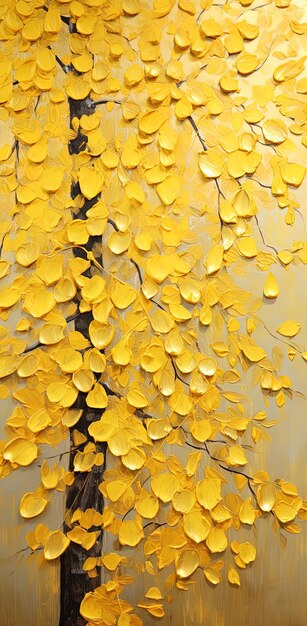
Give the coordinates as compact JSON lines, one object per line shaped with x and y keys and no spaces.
{"x":147,"y":141}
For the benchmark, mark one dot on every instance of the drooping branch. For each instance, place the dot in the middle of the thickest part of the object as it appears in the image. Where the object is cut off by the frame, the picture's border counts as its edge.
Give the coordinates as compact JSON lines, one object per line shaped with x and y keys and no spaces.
{"x":262,"y":236}
{"x":231,"y":470}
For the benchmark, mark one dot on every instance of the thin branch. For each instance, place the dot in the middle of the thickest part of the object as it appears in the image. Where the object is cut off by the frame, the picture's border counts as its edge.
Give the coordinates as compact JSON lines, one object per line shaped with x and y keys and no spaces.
{"x":113,"y":224}
{"x":76,"y":498}
{"x":157,"y":524}
{"x":94,"y":103}
{"x":258,"y":182}
{"x":262,"y":236}
{"x":38,"y":344}
{"x":137,"y":269}
{"x":200,"y":14}
{"x":279,"y":338}
{"x":224,"y":467}
{"x":110,"y":392}
{"x":37,"y":103}
{"x":3,"y":240}
{"x":196,"y":129}
{"x":64,"y":67}
{"x":260,"y":6}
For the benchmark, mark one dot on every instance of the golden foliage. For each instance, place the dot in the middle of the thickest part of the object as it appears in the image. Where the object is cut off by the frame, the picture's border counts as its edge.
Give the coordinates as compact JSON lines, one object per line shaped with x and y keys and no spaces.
{"x":138,"y":138}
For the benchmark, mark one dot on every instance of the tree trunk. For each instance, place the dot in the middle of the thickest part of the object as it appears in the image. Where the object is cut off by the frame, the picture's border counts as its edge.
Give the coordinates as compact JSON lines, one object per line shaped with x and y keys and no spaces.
{"x":84,"y":493}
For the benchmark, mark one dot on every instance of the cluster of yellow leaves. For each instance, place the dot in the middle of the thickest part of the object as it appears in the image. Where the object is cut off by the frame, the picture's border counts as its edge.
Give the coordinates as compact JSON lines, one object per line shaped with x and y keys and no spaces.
{"x":137,"y":140}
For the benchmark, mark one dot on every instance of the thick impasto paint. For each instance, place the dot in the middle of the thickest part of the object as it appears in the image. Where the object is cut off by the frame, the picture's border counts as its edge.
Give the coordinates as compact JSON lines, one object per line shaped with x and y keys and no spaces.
{"x":153,"y":346}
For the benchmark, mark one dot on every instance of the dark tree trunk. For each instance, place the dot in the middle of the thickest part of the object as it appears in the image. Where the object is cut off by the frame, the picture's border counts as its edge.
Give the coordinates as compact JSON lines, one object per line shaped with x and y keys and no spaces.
{"x":84,"y":493}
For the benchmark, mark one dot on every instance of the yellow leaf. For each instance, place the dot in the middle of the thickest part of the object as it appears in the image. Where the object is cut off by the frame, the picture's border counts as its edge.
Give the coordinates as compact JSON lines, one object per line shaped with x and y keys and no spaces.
{"x":247,"y":247}
{"x":90,"y":608}
{"x":285,"y":512}
{"x":130,"y":533}
{"x":31,"y":505}
{"x":213,"y":576}
{"x":27,"y":254}
{"x":247,"y":552}
{"x":162,"y":321}
{"x":20,"y":451}
{"x":40,"y":303}
{"x":247,"y":513}
{"x":211,"y":164}
{"x":201,"y":430}
{"x":252,"y":352}
{"x":111,"y":561}
{"x":275,"y":131}
{"x":208,"y":492}
{"x":93,"y":290}
{"x":169,"y":189}
{"x":97,"y":397}
{"x":186,"y":563}
{"x":151,"y":121}
{"x":214,"y":259}
{"x":196,"y":527}
{"x":137,"y":399}
{"x":39,"y":420}
{"x":52,"y":178}
{"x":266,"y":496}
{"x":216,"y":540}
{"x":103,"y":429}
{"x":246,"y":63}
{"x":154,"y":609}
{"x":51,"y":334}
{"x":165,"y":486}
{"x":120,"y":443}
{"x":271,"y":289}
{"x":119,"y":242}
{"x":8,"y":365}
{"x":289,"y":328}
{"x":243,"y":203}
{"x":236,"y":456}
{"x":133,"y":75}
{"x":55,"y":545}
{"x":154,"y":594}
{"x":123,"y":296}
{"x":289,"y":70}
{"x":207,"y":366}
{"x":234,"y":577}
{"x":91,"y":182}
{"x":147,"y":506}
{"x":183,"y":501}
{"x":179,"y":312}
{"x":69,"y":360}
{"x":293,"y":174}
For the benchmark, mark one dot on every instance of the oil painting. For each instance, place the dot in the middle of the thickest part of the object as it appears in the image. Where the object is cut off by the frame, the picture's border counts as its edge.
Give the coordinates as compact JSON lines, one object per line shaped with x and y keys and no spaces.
{"x":153,"y":354}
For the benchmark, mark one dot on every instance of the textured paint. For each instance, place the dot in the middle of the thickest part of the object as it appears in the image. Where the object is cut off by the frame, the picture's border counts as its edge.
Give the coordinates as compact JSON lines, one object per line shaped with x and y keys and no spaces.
{"x":272,"y":590}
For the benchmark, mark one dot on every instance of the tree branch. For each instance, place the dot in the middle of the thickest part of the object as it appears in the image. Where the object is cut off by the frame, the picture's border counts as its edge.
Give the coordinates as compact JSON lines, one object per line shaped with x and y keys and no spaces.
{"x":196,"y":129}
{"x":38,"y":344}
{"x":262,"y":236}
{"x":93,"y":103}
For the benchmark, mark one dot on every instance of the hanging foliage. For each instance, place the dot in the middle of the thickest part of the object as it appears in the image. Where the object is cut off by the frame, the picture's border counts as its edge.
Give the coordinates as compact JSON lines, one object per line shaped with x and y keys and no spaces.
{"x":144,"y":145}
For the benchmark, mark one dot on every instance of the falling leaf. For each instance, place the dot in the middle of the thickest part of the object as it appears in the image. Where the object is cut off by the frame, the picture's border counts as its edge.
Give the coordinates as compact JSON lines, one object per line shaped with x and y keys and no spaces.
{"x":271,"y":289}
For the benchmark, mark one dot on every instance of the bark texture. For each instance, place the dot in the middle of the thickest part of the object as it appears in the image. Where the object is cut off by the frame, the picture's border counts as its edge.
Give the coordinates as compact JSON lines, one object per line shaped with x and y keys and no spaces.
{"x":84,"y":493}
